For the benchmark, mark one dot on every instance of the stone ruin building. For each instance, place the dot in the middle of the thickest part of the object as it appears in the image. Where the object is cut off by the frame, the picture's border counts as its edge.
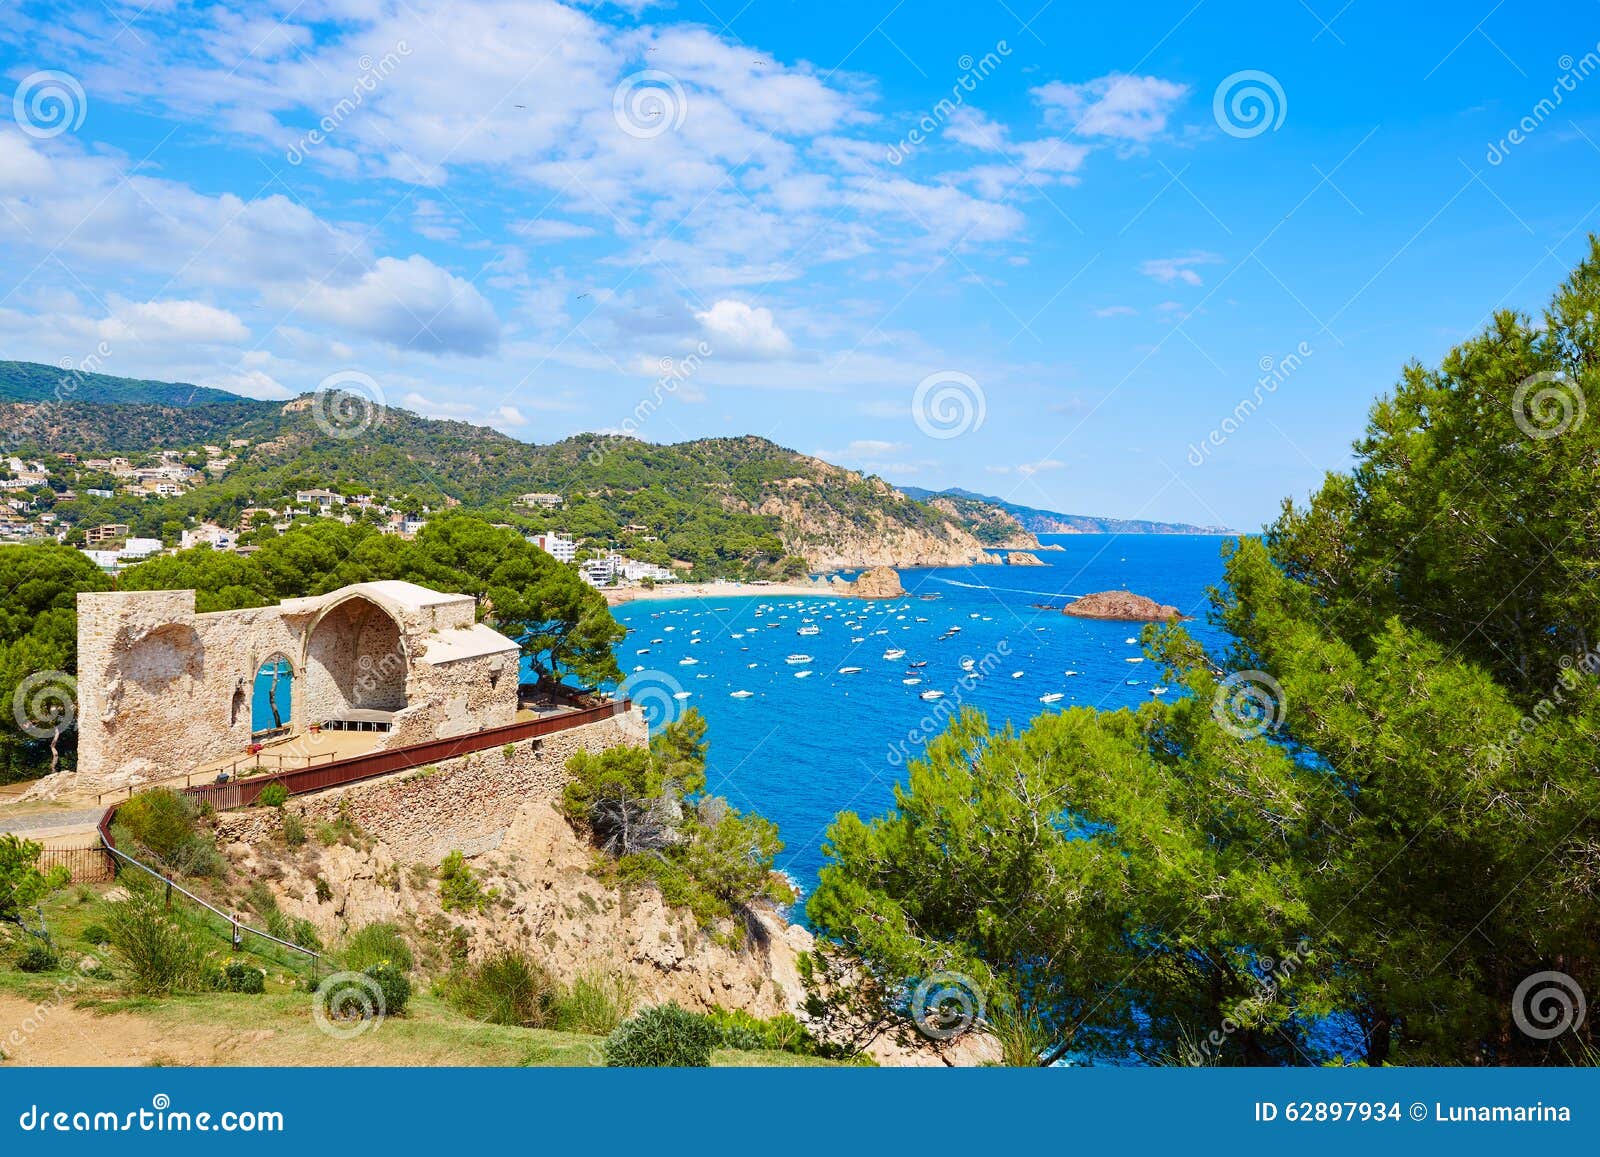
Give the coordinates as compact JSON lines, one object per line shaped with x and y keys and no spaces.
{"x":165,"y":691}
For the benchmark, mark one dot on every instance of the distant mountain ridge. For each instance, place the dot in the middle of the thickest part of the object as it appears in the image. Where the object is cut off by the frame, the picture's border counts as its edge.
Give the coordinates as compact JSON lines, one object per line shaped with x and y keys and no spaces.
{"x":1051,"y":522}
{"x":740,"y":506}
{"x":36,"y":382}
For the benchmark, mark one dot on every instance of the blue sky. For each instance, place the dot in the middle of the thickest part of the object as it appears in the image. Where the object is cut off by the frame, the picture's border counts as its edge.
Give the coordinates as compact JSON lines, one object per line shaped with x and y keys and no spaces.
{"x":1038,"y":252}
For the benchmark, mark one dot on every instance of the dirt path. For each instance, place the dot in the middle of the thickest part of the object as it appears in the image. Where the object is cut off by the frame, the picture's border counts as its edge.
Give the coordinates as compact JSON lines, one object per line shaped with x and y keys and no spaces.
{"x":53,"y":1033}
{"x":46,"y":821}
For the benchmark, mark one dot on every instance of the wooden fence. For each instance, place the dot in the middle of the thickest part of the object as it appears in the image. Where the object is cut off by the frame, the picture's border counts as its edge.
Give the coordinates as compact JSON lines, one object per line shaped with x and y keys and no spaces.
{"x":86,"y":865}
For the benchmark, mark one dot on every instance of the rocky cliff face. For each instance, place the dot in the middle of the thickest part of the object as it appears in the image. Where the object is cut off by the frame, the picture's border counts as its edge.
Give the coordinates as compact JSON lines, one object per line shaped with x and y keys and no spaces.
{"x":550,"y":906}
{"x":1023,"y":558}
{"x":837,"y":519}
{"x":995,"y":528}
{"x":880,"y":582}
{"x":1121,"y":605}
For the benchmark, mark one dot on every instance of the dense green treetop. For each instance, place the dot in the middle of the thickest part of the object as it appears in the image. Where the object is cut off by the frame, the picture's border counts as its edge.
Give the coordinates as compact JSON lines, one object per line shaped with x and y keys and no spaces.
{"x":1367,"y":828}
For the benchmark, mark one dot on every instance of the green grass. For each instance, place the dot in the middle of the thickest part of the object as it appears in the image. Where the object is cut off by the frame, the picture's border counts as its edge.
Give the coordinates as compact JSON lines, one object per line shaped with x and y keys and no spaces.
{"x":277,"y":1028}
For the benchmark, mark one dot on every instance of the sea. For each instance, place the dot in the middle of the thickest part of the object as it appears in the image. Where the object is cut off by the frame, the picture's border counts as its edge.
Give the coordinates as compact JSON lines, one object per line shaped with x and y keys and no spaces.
{"x":809,"y":707}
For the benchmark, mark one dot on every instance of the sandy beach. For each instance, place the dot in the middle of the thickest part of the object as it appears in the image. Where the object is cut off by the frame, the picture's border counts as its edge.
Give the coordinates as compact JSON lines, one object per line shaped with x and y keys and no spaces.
{"x":723,"y":589}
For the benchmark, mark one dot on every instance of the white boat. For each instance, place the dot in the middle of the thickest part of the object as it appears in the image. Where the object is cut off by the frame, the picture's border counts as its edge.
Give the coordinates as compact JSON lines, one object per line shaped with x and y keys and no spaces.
{"x":894,"y":653}
{"x":741,"y":694}
{"x":796,"y":660}
{"x":642,"y":651}
{"x":858,"y":639}
{"x":1133,"y":682}
{"x":850,"y":670}
{"x":967,"y":664}
{"x":1158,"y":690}
{"x":1131,"y":640}
{"x":802,"y":674}
{"x":931,"y":695}
{"x":1069,"y":673}
{"x":1139,"y":660}
{"x":683,"y":694}
{"x":1053,"y":697}
{"x":809,"y":631}
{"x":911,"y":682}
{"x":1018,"y":674}
{"x":688,"y":662}
{"x":639,"y":668}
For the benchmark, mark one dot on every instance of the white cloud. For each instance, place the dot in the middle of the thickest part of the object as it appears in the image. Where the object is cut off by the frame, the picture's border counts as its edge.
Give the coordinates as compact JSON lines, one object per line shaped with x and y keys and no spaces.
{"x":1124,"y":108}
{"x":411,"y":304}
{"x":1169,"y":269}
{"x":251,"y":384}
{"x":546,"y":229}
{"x":170,"y":322}
{"x":735,"y":329}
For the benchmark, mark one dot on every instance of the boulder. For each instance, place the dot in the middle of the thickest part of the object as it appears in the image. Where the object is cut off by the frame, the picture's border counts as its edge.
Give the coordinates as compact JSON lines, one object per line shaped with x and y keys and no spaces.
{"x":1023,"y":558}
{"x":1121,"y":605}
{"x":881,"y":582}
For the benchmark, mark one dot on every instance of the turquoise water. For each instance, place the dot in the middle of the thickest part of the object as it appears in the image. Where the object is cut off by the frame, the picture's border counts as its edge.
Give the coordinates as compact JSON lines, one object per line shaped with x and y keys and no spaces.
{"x":800,"y":750}
{"x":260,"y":704}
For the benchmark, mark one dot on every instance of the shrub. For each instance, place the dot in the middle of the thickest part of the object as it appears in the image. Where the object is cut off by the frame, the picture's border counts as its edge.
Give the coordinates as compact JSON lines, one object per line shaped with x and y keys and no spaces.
{"x":237,"y":976}
{"x":783,"y":1033}
{"x":595,"y":1003}
{"x":273,"y":795}
{"x":666,"y":1036}
{"x":304,"y":933}
{"x":161,"y":950}
{"x":22,"y":884}
{"x":38,"y":957}
{"x":393,"y":984}
{"x":376,"y":943}
{"x":459,"y":889}
{"x":506,"y":988}
{"x":162,"y":823}
{"x":294,"y":830}
{"x":324,"y":891}
{"x":96,"y":935}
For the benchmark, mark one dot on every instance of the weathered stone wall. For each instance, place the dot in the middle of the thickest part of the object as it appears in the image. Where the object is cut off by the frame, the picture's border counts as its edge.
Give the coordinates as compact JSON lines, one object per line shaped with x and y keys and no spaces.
{"x":464,"y":804}
{"x":163,"y":690}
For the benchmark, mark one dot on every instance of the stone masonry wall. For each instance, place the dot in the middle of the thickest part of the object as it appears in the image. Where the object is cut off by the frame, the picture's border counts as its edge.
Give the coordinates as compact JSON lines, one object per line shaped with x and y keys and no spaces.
{"x":463,"y":804}
{"x":163,"y":690}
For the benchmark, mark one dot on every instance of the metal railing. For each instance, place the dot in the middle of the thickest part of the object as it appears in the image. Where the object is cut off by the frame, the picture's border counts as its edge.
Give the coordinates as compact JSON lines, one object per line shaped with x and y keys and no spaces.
{"x":242,"y":793}
{"x":108,"y":844}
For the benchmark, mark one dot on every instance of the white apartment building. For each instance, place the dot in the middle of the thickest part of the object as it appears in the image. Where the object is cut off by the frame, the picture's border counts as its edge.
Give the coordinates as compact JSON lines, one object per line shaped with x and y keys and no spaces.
{"x":562,"y":549}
